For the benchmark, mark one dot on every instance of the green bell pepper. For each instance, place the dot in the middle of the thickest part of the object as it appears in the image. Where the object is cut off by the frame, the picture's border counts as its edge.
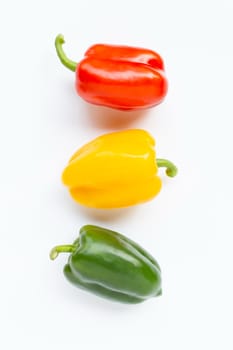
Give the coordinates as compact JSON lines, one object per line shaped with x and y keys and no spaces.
{"x":111,"y":265}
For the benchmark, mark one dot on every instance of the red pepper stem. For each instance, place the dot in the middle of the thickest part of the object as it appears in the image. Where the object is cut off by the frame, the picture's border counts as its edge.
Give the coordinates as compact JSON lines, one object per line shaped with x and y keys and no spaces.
{"x":171,"y":168}
{"x":69,"y":248}
{"x":59,"y":41}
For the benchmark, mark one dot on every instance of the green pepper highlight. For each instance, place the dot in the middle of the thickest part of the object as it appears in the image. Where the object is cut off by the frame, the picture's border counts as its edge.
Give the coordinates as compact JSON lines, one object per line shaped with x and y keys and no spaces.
{"x":111,"y":265}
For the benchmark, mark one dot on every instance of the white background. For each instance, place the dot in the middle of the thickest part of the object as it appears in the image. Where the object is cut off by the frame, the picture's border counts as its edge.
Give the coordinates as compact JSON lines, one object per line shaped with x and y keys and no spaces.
{"x":188,"y":227}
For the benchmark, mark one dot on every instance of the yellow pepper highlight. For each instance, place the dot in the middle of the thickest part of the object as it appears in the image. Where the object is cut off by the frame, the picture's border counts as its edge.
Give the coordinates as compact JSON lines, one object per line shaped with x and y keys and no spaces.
{"x":116,"y":170}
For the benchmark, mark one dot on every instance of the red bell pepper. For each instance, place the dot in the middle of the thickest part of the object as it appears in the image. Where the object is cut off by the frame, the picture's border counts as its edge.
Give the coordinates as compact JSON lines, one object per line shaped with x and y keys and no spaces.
{"x":120,"y":77}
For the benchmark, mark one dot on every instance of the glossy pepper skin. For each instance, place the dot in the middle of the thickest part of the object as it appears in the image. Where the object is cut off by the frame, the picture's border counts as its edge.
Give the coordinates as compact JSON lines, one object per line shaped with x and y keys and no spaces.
{"x":120,"y":77}
{"x":111,"y":265}
{"x":116,"y":170}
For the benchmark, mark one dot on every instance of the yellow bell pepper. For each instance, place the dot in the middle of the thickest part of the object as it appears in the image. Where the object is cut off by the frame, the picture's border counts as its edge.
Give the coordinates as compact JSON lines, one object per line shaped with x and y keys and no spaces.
{"x":116,"y":170}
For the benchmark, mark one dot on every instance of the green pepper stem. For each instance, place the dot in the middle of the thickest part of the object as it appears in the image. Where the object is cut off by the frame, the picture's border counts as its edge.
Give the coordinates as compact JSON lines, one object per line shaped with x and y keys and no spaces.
{"x":69,"y":248}
{"x":171,"y":168}
{"x":59,"y":41}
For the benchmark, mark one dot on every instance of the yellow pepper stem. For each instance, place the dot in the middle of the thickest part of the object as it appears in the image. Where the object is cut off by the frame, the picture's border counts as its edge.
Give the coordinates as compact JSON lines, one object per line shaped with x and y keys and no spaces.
{"x":171,"y":168}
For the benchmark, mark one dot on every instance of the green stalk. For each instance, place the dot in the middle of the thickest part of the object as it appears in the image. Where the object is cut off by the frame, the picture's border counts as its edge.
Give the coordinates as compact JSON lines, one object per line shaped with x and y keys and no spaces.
{"x":69,"y":248}
{"x":171,"y":168}
{"x":59,"y":41}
